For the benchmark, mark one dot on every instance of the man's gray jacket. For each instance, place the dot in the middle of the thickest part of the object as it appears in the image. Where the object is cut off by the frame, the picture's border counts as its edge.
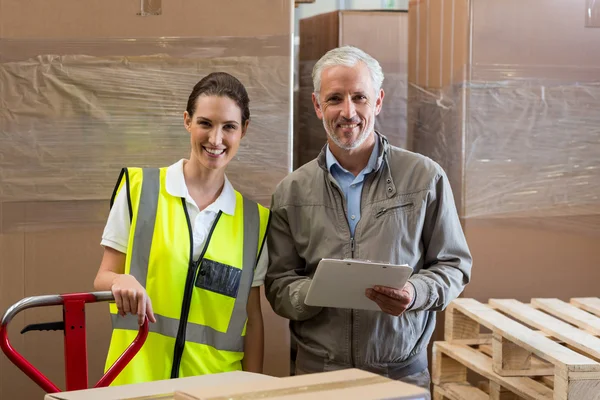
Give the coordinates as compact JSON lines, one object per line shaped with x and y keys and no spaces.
{"x":408,"y":216}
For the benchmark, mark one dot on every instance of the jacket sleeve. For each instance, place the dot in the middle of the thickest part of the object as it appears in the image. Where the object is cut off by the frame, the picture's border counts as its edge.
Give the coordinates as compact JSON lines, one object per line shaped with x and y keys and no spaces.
{"x":447,"y":265}
{"x":284,"y":287}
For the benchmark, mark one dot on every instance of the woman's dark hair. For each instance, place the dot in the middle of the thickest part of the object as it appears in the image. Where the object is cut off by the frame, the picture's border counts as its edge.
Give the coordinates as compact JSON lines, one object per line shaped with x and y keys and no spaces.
{"x":221,"y":84}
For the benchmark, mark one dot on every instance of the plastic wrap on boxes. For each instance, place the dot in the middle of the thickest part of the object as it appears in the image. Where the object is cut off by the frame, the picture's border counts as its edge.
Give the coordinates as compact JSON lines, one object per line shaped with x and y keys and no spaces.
{"x":74,"y":112}
{"x":515,"y":141}
{"x":592,"y":14}
{"x":434,"y":125}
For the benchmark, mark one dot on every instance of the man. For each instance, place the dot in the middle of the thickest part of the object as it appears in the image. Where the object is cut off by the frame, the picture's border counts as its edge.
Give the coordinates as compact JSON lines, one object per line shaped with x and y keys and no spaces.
{"x":365,"y":199}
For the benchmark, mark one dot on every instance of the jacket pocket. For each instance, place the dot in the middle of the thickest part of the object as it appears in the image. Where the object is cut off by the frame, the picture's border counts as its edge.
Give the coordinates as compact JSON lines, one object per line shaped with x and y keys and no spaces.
{"x":219,"y":278}
{"x":404,"y":205}
{"x":394,"y":233}
{"x":390,"y":340}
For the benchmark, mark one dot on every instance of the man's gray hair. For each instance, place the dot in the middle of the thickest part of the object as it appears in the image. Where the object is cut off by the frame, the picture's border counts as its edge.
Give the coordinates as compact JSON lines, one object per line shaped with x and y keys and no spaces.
{"x":348,"y":56}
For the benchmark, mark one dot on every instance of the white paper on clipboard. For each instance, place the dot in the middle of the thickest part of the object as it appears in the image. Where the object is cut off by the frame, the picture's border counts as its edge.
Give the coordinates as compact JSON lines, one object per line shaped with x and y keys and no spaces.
{"x":342,"y":283}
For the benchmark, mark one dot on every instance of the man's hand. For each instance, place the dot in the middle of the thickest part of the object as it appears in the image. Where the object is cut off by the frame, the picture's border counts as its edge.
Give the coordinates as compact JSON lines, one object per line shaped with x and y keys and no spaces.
{"x":392,"y":301}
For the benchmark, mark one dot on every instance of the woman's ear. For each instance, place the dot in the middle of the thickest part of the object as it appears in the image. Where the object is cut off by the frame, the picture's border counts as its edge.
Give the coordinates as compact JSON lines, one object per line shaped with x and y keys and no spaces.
{"x":187,"y":121}
{"x":245,"y":127}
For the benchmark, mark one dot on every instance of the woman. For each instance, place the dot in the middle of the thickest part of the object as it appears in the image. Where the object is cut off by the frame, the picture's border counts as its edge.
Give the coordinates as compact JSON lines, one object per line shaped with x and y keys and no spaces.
{"x":181,"y":249}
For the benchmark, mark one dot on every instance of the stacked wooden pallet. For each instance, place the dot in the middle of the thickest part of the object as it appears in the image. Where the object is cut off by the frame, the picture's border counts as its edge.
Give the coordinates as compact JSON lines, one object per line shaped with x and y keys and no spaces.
{"x":548,"y":349}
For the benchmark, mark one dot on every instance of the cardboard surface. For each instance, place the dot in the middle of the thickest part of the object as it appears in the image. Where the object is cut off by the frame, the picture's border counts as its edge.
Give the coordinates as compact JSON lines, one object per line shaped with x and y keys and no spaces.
{"x":534,"y":258}
{"x":449,"y":38}
{"x":163,"y":390}
{"x":78,"y":92}
{"x":345,"y":384}
{"x":120,"y":19}
{"x":532,"y":33}
{"x":383,"y":35}
{"x":438,"y":42}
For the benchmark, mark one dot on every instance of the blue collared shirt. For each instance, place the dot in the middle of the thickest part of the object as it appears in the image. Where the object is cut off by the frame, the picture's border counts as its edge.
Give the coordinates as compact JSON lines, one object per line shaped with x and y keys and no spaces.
{"x":351,"y":185}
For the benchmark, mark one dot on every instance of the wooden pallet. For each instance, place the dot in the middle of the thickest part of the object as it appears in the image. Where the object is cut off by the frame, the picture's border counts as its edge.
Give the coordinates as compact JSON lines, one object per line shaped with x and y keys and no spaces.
{"x":548,"y":349}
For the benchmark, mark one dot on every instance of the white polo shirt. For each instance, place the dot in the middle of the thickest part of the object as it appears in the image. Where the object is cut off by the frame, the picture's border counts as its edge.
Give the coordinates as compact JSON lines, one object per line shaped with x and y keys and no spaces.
{"x":116,"y":231}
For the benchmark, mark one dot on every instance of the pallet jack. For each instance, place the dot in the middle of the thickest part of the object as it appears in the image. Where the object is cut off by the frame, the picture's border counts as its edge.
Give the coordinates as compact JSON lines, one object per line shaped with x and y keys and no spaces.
{"x":73,"y":325}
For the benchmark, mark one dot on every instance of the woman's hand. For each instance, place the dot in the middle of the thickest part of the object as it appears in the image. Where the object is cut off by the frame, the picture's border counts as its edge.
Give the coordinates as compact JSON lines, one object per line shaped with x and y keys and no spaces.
{"x":131,"y":298}
{"x":130,"y":295}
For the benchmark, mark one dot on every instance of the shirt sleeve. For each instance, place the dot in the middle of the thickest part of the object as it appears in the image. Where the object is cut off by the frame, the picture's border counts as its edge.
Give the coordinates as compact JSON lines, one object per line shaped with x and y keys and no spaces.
{"x":118,"y":225}
{"x":261,"y":267}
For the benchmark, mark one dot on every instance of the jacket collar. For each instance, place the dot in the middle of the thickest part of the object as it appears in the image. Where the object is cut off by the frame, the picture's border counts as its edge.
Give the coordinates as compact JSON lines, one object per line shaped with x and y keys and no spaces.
{"x":382,"y":163}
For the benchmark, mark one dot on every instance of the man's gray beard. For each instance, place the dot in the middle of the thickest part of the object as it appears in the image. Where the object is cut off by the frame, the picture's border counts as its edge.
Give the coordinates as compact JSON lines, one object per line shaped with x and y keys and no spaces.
{"x":361,"y":139}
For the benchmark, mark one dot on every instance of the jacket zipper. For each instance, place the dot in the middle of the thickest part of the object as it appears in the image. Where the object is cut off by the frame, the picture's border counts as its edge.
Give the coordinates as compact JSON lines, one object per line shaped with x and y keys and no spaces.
{"x":384,"y":210}
{"x":189,"y":290}
{"x":352,"y":255}
{"x":345,"y":218}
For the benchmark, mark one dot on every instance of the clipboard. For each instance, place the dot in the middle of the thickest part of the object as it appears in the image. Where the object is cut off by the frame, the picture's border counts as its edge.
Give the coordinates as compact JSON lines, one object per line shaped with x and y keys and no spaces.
{"x":342,"y":283}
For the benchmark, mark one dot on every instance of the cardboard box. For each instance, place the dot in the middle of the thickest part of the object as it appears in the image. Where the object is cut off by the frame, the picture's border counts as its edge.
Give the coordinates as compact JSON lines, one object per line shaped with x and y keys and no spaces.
{"x":116,"y":19}
{"x":383,"y":35}
{"x":504,"y":95}
{"x":438,"y":42}
{"x":101,"y":87}
{"x":343,"y":385}
{"x":161,"y":390}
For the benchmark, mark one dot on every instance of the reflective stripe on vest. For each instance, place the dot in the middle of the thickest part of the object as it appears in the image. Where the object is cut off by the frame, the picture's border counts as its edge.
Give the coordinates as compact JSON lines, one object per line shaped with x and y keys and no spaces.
{"x":232,"y":340}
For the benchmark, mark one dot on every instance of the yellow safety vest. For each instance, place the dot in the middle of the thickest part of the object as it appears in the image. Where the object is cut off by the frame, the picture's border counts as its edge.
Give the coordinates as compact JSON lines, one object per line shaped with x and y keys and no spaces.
{"x":199,"y":305}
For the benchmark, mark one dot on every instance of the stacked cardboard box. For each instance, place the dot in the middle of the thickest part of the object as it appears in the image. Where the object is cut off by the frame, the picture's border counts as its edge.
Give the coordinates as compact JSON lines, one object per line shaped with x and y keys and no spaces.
{"x":505,"y":95}
{"x":348,"y":384}
{"x":90,"y":87}
{"x":162,"y":390}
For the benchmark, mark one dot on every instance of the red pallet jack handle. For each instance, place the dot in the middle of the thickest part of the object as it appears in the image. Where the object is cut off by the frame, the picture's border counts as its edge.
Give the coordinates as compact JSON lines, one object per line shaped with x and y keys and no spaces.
{"x":76,"y":369}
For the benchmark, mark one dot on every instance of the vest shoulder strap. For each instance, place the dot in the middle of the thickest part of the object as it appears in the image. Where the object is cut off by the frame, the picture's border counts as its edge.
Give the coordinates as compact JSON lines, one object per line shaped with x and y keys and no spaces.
{"x":261,"y":221}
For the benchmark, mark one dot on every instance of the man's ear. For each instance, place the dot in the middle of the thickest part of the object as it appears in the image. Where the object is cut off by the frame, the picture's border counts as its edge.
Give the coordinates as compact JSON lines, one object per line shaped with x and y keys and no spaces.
{"x":379,"y":102}
{"x":317,"y":105}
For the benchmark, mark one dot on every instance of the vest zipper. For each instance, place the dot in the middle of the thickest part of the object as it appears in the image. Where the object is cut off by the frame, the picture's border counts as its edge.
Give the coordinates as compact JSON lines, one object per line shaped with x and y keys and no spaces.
{"x":188,"y":291}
